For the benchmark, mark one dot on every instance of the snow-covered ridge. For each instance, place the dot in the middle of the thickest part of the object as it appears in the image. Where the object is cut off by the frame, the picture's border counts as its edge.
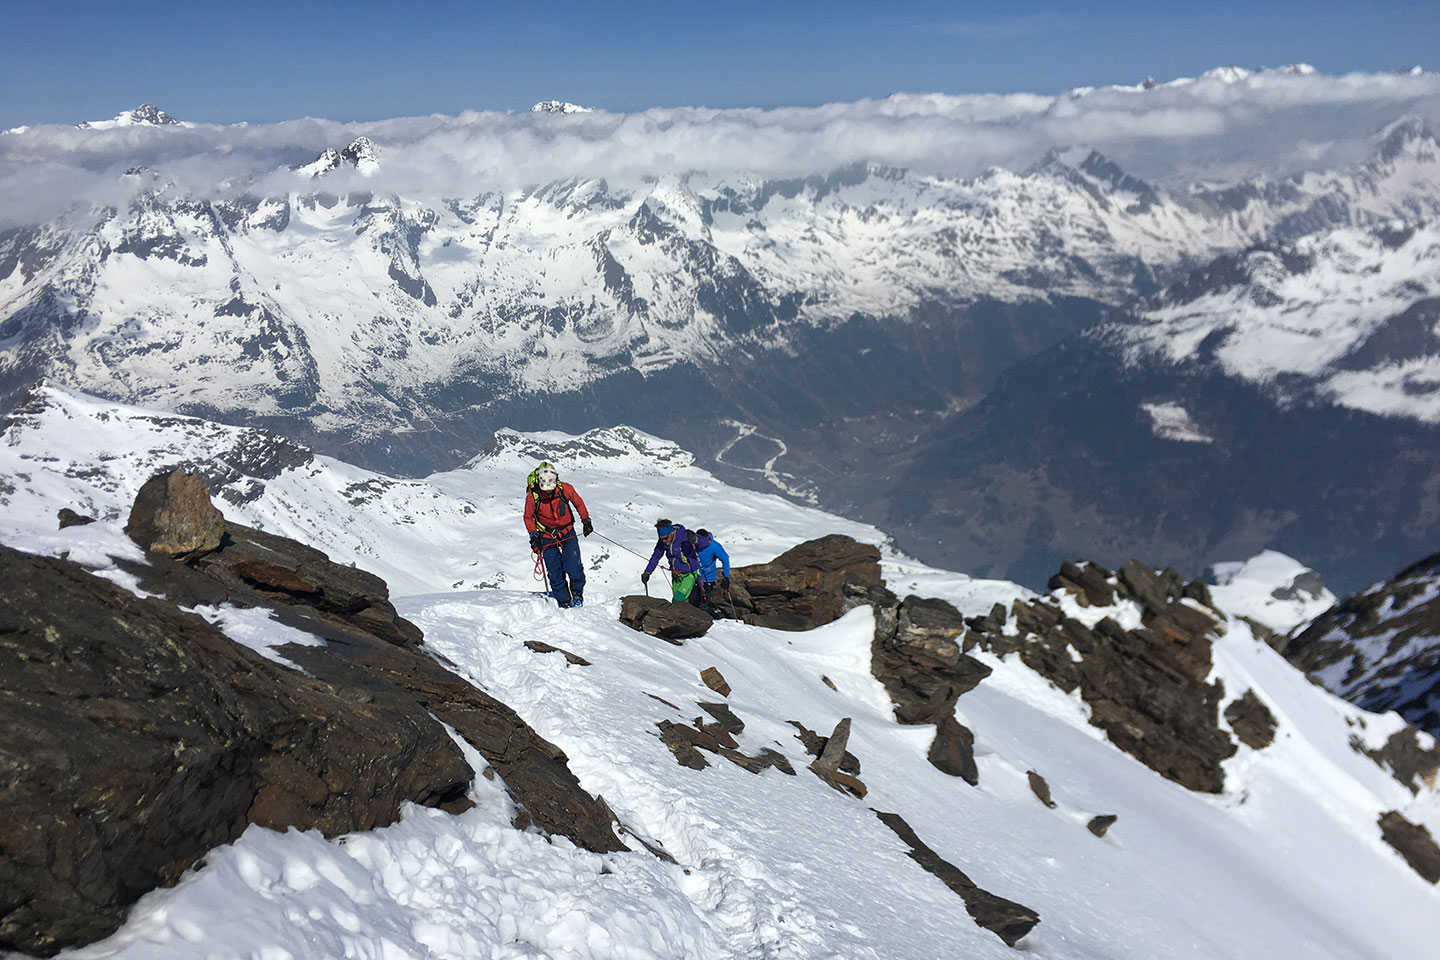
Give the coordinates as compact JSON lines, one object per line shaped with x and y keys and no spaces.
{"x":361,"y":154}
{"x":768,"y":865}
{"x":145,"y":115}
{"x":1381,"y":647}
{"x":1351,"y":311}
{"x":558,"y":284}
{"x":559,"y":106}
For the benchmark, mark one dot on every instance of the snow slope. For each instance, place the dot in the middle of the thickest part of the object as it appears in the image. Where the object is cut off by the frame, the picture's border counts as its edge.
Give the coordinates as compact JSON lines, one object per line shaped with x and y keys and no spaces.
{"x":1286,"y":862}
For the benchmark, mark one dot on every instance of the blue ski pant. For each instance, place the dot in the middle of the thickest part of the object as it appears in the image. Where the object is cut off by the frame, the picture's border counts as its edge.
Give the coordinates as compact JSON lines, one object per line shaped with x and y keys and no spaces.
{"x":562,"y":560}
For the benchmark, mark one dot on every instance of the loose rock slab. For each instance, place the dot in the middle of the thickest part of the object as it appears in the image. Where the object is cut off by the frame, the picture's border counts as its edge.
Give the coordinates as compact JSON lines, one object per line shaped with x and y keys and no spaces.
{"x":173,"y":515}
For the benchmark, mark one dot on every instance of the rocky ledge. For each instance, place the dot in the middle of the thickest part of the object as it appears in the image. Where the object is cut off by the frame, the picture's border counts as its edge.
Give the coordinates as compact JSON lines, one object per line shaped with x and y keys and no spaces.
{"x":135,"y":735}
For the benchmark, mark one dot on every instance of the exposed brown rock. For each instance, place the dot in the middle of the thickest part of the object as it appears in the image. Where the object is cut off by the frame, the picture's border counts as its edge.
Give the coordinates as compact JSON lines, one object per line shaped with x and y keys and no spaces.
{"x":953,"y":751}
{"x":1098,"y":825}
{"x":1407,"y":759}
{"x":1040,"y":788}
{"x":150,"y":737}
{"x":574,"y":659}
{"x":282,"y":570}
{"x":815,"y":745}
{"x":724,"y":717}
{"x":802,"y":588}
{"x":1089,"y":583}
{"x":1006,"y":919}
{"x":674,"y":622}
{"x":834,"y":752}
{"x":1252,"y":721}
{"x":713,"y":679}
{"x":69,"y":518}
{"x":686,"y":742}
{"x":173,"y":515}
{"x":1146,"y":688}
{"x":1414,"y":843}
{"x":916,"y":655}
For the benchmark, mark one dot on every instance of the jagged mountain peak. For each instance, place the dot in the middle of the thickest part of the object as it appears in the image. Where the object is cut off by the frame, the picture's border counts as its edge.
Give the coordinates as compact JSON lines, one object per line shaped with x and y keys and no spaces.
{"x":361,"y":153}
{"x":621,"y":447}
{"x":559,"y":106}
{"x":1101,"y":177}
{"x":147,"y":114}
{"x":1407,"y":134}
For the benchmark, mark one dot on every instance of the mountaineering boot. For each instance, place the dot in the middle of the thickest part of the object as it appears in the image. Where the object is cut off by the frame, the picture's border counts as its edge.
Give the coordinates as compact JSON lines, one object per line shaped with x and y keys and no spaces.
{"x":579,"y":602}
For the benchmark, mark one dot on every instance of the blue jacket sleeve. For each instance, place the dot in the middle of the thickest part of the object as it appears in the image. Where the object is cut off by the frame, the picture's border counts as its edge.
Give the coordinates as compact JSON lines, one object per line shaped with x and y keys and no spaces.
{"x":724,"y":557}
{"x":655,"y":556}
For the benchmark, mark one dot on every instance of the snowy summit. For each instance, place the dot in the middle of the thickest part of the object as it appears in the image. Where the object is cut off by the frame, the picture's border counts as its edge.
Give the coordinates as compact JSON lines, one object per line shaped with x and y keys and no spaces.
{"x":559,"y":106}
{"x":145,"y":115}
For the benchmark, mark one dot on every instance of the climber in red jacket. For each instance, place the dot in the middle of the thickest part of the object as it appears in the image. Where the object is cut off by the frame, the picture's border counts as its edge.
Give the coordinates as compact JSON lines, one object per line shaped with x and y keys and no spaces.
{"x":550,"y":511}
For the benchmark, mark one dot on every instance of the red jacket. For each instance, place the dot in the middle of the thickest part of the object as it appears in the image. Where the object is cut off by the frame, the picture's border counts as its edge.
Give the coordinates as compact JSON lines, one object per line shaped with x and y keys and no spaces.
{"x":548,"y":513}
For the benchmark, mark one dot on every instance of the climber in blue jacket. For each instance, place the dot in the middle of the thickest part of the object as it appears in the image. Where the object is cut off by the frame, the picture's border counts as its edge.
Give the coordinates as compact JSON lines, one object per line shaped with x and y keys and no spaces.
{"x":709,"y":550}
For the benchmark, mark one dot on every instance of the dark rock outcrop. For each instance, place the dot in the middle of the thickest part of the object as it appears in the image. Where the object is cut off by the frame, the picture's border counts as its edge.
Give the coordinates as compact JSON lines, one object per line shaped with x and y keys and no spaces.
{"x":281,"y":570}
{"x":135,"y":736}
{"x":686,"y":742}
{"x":1407,"y":757}
{"x":953,"y":751}
{"x":69,"y":518}
{"x":1252,"y":721}
{"x":916,"y":652}
{"x":1006,"y":919}
{"x":1100,"y":825}
{"x":815,"y":745}
{"x":1380,"y":649}
{"x":832,"y":756}
{"x":1145,"y":687}
{"x":173,"y":515}
{"x":674,"y":622}
{"x":803,"y":587}
{"x":1413,"y":842}
{"x":574,"y":659}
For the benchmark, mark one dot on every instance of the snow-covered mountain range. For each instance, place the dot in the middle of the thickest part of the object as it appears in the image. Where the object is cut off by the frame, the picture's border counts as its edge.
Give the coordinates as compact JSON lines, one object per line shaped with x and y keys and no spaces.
{"x":814,"y":333}
{"x":1285,"y":860}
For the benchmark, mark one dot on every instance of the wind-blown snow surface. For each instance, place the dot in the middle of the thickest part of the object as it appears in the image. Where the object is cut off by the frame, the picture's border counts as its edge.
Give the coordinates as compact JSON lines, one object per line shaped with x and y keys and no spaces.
{"x":1287,"y":862}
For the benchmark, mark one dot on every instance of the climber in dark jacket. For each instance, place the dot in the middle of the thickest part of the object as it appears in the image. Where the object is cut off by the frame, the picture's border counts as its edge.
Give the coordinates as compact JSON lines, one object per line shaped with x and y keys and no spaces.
{"x":676,"y":543}
{"x":550,"y":509}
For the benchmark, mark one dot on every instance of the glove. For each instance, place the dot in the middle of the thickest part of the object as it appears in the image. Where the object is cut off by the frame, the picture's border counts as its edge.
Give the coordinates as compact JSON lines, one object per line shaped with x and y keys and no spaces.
{"x":587,"y":526}
{"x":536,"y":539}
{"x":645,"y":577}
{"x":723,"y":583}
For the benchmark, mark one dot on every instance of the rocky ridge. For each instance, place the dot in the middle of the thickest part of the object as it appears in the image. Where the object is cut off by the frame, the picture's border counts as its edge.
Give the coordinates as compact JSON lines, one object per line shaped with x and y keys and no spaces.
{"x":1380,"y":648}
{"x":160,"y":737}
{"x":1135,"y":643}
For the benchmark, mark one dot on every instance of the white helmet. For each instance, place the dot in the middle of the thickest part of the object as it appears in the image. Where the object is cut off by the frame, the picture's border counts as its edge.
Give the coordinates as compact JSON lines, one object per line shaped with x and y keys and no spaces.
{"x":547,"y":477}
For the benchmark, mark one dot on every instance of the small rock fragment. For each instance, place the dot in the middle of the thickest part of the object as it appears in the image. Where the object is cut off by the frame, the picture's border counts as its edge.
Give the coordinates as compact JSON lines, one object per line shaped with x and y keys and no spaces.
{"x":1040,"y":787}
{"x":713,"y":679}
{"x":1099,"y":824}
{"x":69,"y":518}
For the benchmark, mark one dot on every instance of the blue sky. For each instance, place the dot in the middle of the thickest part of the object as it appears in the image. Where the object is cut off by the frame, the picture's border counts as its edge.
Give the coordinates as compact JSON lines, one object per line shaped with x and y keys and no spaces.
{"x":63,"y":61}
